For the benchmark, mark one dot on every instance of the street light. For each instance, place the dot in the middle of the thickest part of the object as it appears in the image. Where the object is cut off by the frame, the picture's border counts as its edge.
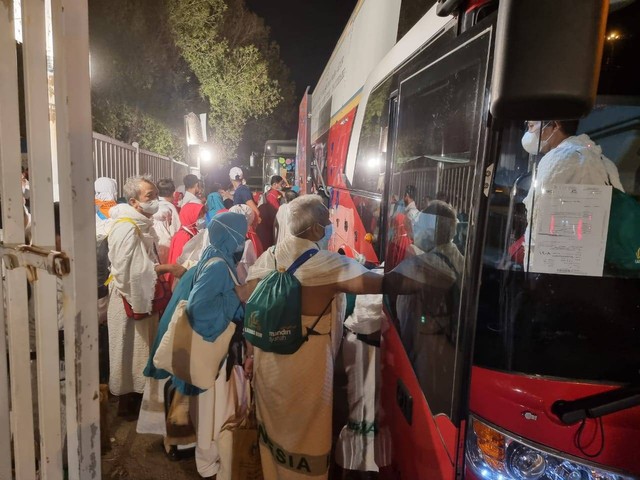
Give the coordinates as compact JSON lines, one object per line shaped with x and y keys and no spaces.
{"x":206,"y":154}
{"x":612,"y":38}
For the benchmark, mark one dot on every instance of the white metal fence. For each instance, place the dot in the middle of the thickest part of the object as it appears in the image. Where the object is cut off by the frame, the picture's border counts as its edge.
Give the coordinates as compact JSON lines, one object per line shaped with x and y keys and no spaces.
{"x":47,"y":420}
{"x":119,"y":160}
{"x":57,"y":109}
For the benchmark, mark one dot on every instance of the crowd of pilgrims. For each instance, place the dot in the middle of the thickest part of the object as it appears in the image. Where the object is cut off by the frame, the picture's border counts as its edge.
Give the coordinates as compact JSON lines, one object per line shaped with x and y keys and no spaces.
{"x":167,"y":253}
{"x":161,"y":249}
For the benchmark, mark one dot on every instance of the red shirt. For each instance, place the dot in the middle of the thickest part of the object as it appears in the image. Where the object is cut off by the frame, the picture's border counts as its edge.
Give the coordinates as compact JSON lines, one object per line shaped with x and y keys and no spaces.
{"x":273,"y":198}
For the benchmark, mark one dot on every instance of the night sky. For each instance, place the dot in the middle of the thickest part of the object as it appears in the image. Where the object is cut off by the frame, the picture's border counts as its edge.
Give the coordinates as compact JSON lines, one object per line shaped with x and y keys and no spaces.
{"x":307,"y":31}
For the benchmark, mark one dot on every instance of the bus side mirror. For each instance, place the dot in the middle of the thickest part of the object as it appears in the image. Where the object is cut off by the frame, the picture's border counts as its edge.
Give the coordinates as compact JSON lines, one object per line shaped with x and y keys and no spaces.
{"x":547,"y":58}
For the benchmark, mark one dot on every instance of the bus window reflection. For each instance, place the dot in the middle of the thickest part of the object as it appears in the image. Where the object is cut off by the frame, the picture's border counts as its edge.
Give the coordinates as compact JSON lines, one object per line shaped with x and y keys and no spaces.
{"x":427,"y":283}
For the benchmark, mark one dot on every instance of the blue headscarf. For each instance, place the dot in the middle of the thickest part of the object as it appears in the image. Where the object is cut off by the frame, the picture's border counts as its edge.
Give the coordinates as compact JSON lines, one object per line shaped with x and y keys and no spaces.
{"x":213,"y":302}
{"x":227,"y":233}
{"x":214,"y":203}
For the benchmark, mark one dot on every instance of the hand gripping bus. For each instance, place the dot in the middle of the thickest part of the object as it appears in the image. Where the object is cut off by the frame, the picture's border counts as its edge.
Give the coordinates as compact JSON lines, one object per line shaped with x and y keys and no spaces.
{"x":480,"y":159}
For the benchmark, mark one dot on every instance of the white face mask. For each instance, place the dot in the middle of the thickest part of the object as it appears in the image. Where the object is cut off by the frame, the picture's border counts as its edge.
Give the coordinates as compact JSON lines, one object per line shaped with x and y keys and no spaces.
{"x":531,"y":140}
{"x":201,"y":223}
{"x":150,"y":208}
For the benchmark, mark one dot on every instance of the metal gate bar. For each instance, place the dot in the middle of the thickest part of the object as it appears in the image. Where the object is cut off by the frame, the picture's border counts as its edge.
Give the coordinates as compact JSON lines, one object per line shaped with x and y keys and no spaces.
{"x":42,"y":234}
{"x":74,"y":141}
{"x":16,"y":312}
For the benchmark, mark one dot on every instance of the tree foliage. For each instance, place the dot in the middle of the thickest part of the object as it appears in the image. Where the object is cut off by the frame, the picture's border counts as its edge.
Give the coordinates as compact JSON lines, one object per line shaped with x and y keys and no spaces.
{"x":239,"y":70}
{"x":141,"y":85}
{"x":155,"y":60}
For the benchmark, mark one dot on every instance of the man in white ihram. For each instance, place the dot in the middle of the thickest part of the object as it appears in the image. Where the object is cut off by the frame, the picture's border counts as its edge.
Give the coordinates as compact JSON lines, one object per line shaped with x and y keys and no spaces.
{"x":294,"y":393}
{"x":568,"y":159}
{"x":134,"y":272}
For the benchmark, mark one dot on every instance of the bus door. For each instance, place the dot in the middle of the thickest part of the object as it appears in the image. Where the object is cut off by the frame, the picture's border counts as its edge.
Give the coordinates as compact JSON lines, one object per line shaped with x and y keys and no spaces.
{"x":433,"y":188}
{"x":364,"y":200}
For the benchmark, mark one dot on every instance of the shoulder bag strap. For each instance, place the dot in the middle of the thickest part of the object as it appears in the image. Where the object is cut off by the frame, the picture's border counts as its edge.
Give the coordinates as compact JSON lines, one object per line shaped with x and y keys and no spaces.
{"x":213,"y":260}
{"x":132,"y":222}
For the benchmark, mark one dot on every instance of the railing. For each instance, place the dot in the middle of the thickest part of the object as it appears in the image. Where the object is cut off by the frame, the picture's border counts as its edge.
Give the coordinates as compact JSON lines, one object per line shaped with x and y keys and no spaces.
{"x":450,"y":182}
{"x":119,"y":160}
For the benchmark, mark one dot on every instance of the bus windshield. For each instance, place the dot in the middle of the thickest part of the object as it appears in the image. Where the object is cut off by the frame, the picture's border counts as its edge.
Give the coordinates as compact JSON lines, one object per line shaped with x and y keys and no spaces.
{"x":561,"y":271}
{"x":561,"y":263}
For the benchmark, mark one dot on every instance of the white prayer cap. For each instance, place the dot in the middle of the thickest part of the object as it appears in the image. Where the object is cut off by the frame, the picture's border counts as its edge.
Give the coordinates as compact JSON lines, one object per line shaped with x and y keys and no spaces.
{"x":106,"y":189}
{"x":235,"y":172}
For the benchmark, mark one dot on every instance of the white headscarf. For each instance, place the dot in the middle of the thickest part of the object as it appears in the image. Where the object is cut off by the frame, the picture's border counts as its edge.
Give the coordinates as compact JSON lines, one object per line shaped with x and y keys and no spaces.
{"x":324,"y":268}
{"x":245,"y":210}
{"x":106,"y":189}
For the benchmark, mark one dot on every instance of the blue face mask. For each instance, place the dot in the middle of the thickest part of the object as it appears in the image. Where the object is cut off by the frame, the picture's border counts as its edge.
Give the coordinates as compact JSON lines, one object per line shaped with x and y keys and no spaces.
{"x":323,"y":243}
{"x":424,"y":231}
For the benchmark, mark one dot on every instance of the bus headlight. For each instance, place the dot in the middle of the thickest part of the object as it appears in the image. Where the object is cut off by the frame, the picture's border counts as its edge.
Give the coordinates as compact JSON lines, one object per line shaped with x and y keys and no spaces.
{"x":525,"y":463}
{"x":494,"y":455}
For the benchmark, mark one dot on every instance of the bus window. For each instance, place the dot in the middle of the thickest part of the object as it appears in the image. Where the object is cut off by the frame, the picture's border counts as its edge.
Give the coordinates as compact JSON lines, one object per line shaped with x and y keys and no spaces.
{"x":430,"y":200}
{"x":560,"y":283}
{"x":280,"y":159}
{"x":372,"y":147}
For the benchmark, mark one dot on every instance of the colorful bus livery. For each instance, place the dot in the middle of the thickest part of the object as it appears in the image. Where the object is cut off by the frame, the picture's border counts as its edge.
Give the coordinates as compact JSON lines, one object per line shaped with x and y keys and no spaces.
{"x":492,"y":367}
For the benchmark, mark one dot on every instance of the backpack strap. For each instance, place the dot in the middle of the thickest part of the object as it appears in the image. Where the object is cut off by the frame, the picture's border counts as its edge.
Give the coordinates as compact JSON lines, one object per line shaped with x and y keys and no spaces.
{"x":301,"y":260}
{"x":310,"y":330}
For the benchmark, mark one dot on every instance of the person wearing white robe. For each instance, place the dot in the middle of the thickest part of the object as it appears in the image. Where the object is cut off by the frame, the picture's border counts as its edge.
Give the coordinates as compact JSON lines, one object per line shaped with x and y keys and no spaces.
{"x":166,"y":222}
{"x":356,"y":445}
{"x":568,"y":159}
{"x":249,"y":256}
{"x":105,"y":199}
{"x":282,"y":217}
{"x":294,"y":393}
{"x":134,"y":271}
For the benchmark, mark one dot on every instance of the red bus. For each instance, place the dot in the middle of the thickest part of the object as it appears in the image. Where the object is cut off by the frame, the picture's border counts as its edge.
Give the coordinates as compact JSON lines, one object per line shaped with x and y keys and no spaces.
{"x":519,"y":366}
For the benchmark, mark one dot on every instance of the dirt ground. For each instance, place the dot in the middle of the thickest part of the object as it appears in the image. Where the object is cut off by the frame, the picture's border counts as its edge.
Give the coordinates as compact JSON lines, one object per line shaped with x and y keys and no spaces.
{"x":141,"y":457}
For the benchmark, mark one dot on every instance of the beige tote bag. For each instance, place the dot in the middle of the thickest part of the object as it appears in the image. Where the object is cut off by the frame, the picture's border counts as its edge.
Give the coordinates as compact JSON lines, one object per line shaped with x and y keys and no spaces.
{"x":184,"y":353}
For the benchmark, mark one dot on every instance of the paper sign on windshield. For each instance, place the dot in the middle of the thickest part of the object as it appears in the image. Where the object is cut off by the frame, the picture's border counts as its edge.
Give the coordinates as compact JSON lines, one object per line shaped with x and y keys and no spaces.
{"x":571,"y":235}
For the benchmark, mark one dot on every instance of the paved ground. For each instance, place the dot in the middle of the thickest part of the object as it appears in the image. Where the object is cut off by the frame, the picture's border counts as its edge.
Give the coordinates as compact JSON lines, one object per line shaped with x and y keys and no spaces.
{"x":141,"y":457}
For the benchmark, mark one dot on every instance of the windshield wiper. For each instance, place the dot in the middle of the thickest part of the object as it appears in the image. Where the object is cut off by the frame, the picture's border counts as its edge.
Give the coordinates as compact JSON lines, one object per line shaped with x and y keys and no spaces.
{"x":598,"y":405}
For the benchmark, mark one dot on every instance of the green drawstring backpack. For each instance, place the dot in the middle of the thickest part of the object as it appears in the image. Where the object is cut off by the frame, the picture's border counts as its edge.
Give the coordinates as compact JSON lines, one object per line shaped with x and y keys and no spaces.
{"x":622,"y":256}
{"x":273,"y":314}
